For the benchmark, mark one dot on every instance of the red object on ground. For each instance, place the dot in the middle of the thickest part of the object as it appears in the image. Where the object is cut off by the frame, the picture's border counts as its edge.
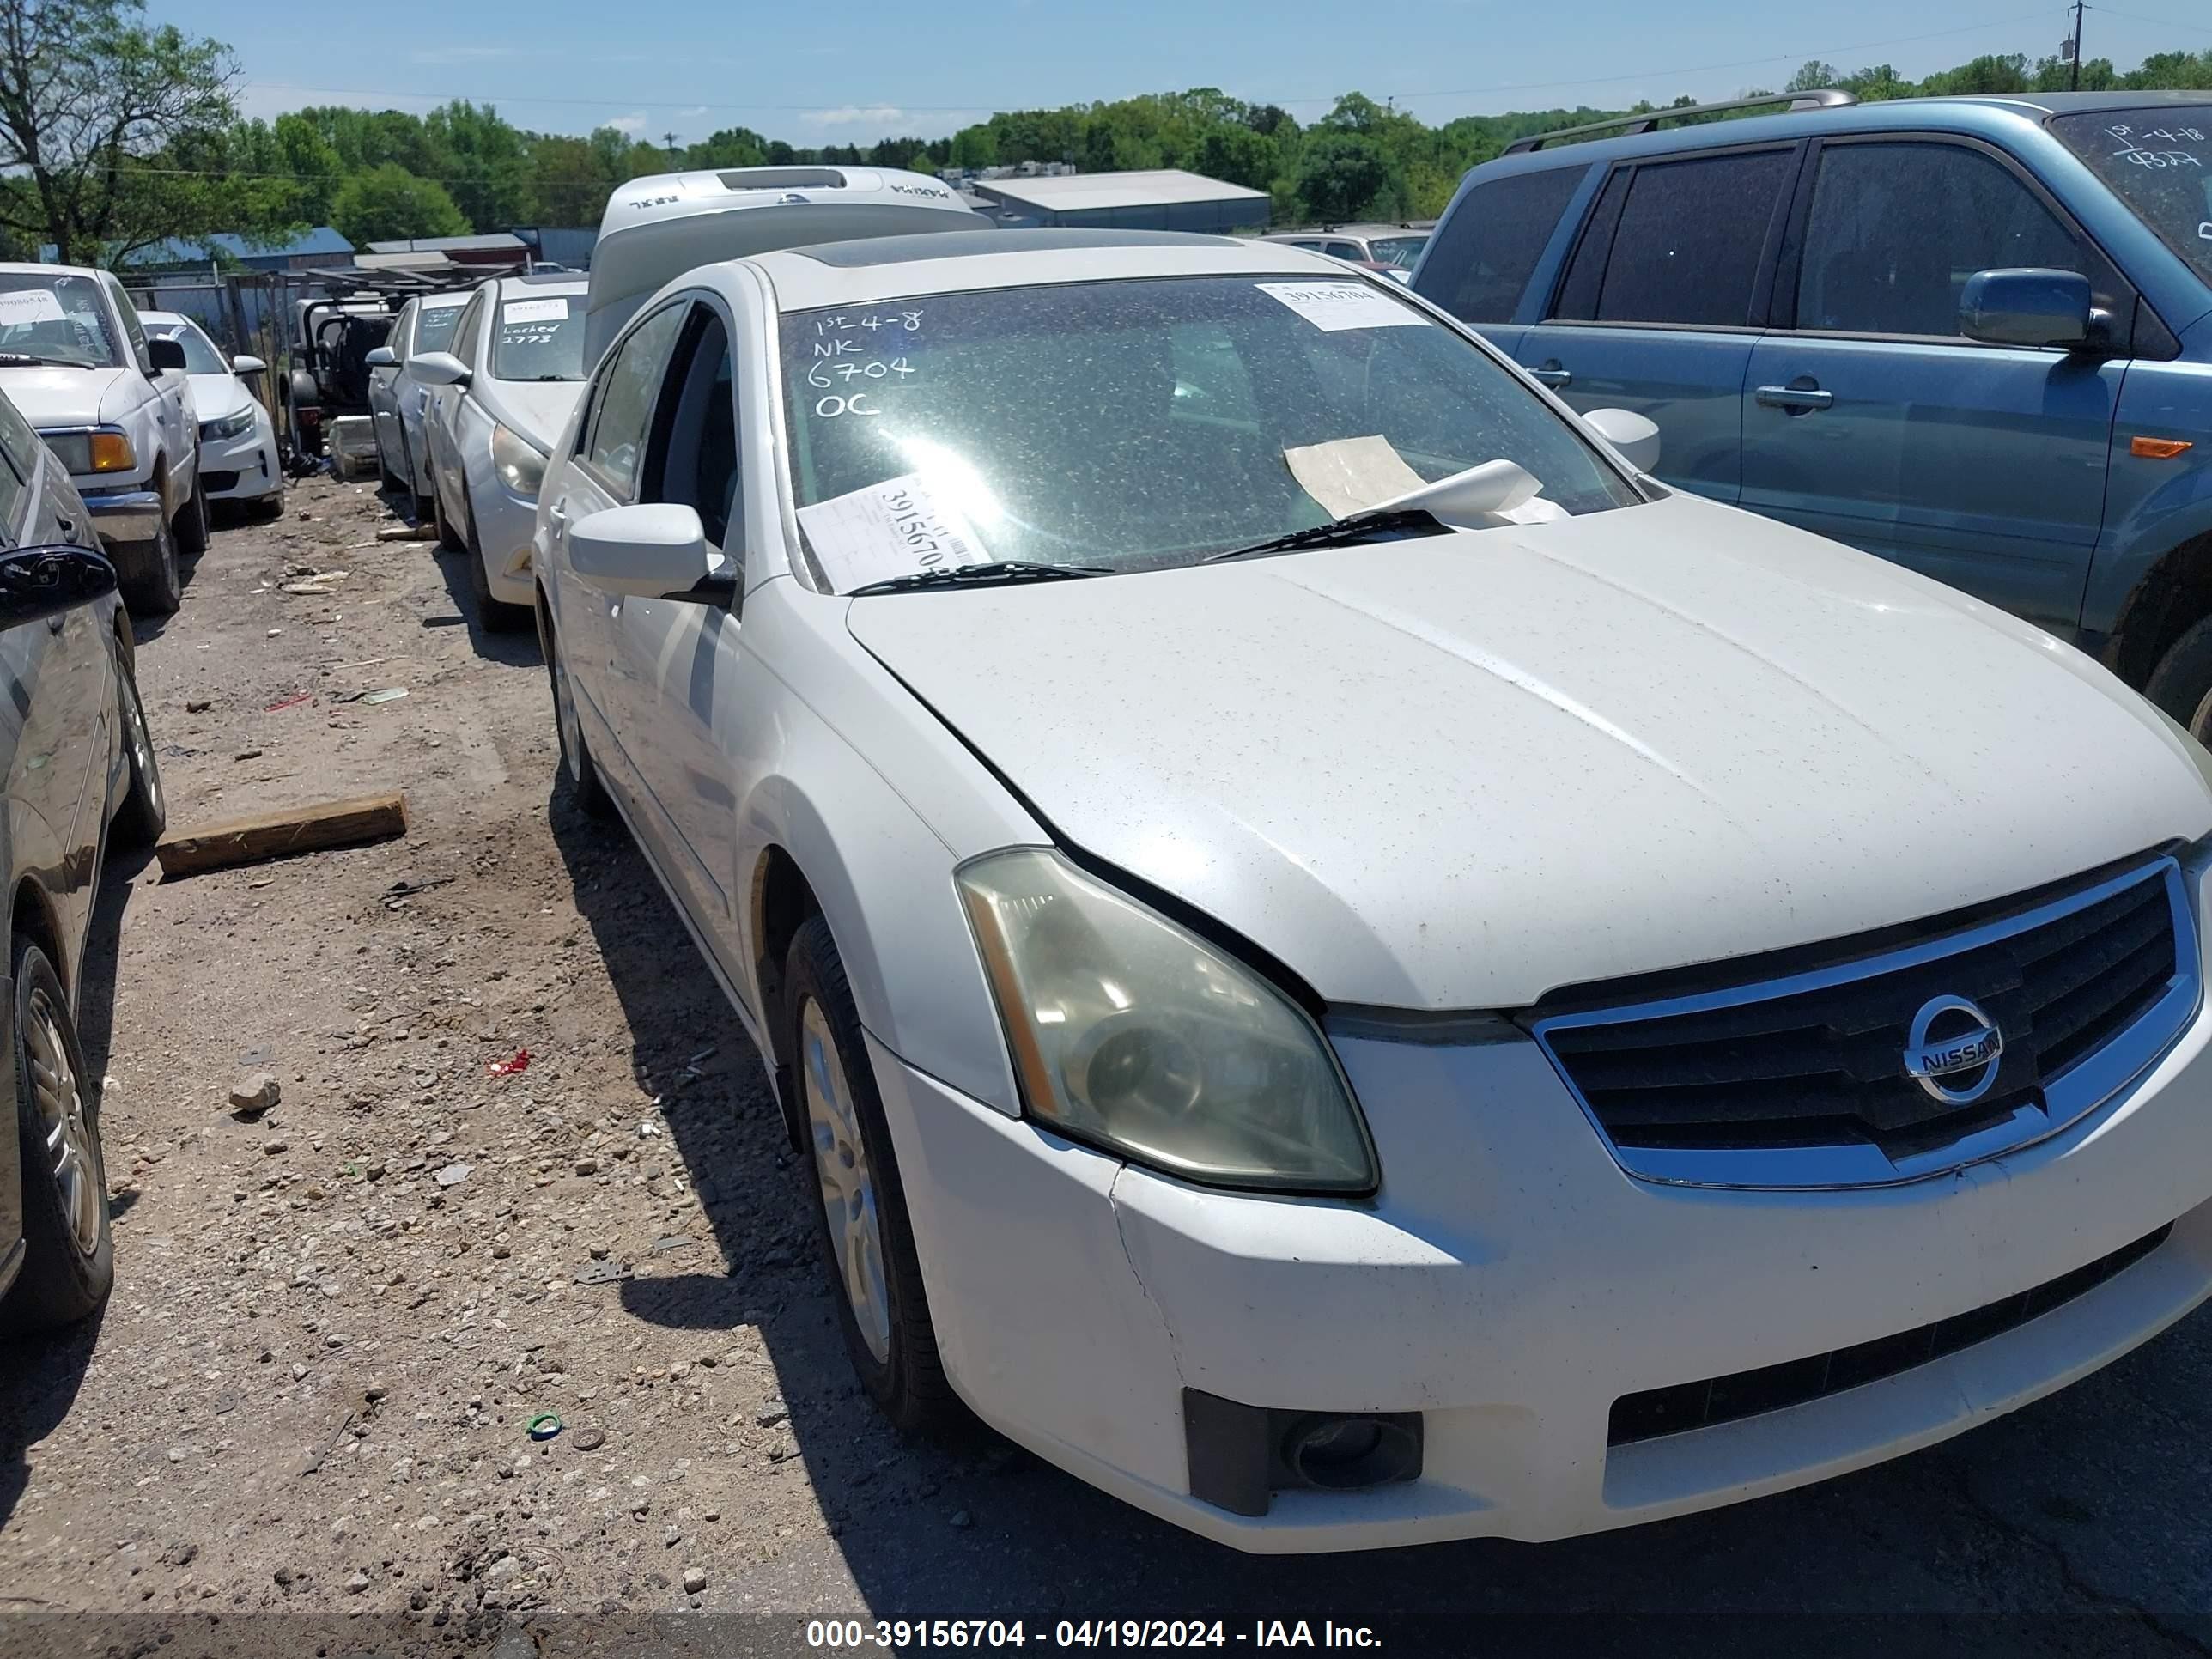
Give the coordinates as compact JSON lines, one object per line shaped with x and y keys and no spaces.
{"x":509,"y":1067}
{"x":290,"y":702}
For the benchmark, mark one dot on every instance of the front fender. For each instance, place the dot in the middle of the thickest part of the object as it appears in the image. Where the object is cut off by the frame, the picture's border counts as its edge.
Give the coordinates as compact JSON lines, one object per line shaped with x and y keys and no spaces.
{"x":2152,"y":506}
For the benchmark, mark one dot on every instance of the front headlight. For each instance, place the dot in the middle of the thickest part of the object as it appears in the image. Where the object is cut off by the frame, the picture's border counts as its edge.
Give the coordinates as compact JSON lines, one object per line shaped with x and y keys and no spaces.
{"x":84,"y":453}
{"x":1134,"y":1034}
{"x":234,"y":425}
{"x":517,"y":461}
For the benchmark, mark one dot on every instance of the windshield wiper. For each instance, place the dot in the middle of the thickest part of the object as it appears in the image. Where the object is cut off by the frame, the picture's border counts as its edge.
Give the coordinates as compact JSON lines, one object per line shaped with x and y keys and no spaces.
{"x":28,"y":360}
{"x":996,"y":572}
{"x":1337,"y":532}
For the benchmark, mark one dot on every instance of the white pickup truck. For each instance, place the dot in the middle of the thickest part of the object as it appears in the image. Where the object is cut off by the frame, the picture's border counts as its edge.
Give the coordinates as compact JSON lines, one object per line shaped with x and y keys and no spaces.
{"x":116,"y":409}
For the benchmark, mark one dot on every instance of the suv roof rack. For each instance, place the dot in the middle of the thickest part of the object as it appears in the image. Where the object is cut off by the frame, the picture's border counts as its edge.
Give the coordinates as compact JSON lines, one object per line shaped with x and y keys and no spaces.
{"x":1823,"y":98}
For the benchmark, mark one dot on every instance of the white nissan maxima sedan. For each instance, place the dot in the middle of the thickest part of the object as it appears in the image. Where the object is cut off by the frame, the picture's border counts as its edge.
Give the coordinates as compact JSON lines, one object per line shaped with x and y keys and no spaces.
{"x":1355,"y":970}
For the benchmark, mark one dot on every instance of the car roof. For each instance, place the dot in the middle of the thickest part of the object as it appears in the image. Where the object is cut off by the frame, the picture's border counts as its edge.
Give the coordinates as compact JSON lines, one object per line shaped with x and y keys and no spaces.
{"x":1978,"y":113}
{"x":168,"y":319}
{"x":949,"y":262}
{"x":426,"y":300}
{"x":1348,"y":230}
{"x":17,"y":268}
{"x":568,"y":283}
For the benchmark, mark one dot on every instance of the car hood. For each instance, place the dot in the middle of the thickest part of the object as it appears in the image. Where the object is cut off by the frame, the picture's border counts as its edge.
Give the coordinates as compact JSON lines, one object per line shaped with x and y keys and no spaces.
{"x":65,"y":397}
{"x":536,"y":409}
{"x":215,"y":396}
{"x":1462,"y":771}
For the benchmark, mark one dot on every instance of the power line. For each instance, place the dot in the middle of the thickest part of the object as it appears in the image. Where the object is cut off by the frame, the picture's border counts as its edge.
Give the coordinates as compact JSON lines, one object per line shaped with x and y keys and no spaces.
{"x":1324,"y":98}
{"x":2162,"y":22}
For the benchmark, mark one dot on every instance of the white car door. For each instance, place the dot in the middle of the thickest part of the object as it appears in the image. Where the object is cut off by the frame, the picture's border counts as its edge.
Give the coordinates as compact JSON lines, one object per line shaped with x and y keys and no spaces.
{"x":604,"y":472}
{"x":173,"y":412}
{"x":442,"y":409}
{"x":384,"y":391}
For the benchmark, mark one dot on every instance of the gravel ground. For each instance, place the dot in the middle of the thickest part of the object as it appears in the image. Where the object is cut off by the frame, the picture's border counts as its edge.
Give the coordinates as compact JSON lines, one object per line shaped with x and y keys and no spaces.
{"x":334,"y":1319}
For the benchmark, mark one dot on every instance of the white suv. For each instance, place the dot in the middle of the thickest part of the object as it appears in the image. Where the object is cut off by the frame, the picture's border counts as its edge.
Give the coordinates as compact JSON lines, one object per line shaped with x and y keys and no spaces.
{"x":117,"y":408}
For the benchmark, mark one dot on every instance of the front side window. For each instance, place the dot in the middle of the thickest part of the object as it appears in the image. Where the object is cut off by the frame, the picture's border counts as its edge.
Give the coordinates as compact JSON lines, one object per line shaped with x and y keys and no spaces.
{"x":1399,"y":252}
{"x":471,"y":330}
{"x":200,"y":355}
{"x":696,"y":465}
{"x":2159,"y":162}
{"x":134,"y":333}
{"x":60,"y":319}
{"x":1896,"y":229}
{"x":1488,"y":245}
{"x":627,"y":388}
{"x":1145,"y":423}
{"x":539,"y":336}
{"x":1687,"y":251}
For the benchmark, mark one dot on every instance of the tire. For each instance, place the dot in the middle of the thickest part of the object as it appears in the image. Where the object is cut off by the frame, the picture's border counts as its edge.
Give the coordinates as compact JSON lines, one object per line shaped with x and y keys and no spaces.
{"x":868,"y":1243}
{"x":578,"y":777}
{"x":191,"y":527}
{"x":147,"y":573}
{"x":2181,"y":684}
{"x":447,"y":541}
{"x":496,"y":615}
{"x":419,"y":505}
{"x":270,"y":506}
{"x":145,"y":810}
{"x":68,"y":1265}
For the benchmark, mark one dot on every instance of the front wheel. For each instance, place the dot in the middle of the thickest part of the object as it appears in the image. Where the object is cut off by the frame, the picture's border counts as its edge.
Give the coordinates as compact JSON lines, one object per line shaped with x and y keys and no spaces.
{"x":145,"y":810}
{"x":2181,"y":684}
{"x":497,"y":616}
{"x":860,"y":1206}
{"x":193,"y":520}
{"x":447,"y":541}
{"x":147,"y":573}
{"x":69,"y":1265}
{"x":578,"y":777}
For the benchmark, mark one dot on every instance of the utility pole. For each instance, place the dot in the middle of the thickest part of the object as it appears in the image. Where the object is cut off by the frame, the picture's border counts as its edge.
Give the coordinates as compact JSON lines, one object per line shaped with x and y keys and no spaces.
{"x":2075,"y":82}
{"x":669,"y":139}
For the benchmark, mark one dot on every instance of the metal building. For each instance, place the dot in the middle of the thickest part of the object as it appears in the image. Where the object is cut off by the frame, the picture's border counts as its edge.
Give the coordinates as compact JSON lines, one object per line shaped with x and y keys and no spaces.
{"x":1162,"y":198}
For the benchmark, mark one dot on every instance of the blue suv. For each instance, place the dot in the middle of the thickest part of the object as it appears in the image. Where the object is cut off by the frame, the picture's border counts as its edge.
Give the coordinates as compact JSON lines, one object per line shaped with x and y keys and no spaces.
{"x":1972,"y":335}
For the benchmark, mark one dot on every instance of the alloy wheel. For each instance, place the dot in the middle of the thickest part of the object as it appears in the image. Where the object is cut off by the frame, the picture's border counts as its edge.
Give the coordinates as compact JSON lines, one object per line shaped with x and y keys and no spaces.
{"x":848,"y":1186}
{"x":141,"y":745}
{"x":71,"y":1143}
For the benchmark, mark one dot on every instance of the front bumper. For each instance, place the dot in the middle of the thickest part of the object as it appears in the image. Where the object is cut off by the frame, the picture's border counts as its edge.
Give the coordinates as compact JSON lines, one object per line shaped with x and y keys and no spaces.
{"x":123,"y":516}
{"x":1510,"y":1283}
{"x":239,"y":468}
{"x":505,"y":524}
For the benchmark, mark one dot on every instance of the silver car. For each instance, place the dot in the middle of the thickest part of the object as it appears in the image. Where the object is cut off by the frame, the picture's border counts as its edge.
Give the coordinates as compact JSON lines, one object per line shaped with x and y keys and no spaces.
{"x":79,"y":770}
{"x":396,"y":397}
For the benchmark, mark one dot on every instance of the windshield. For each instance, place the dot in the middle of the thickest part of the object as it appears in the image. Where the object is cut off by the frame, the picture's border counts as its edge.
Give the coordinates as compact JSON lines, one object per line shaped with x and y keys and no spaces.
{"x":200,"y":355}
{"x":1142,"y":423}
{"x":540,"y":338}
{"x":2155,"y":162}
{"x":60,"y":319}
{"x":1401,"y":252}
{"x":434,"y":329}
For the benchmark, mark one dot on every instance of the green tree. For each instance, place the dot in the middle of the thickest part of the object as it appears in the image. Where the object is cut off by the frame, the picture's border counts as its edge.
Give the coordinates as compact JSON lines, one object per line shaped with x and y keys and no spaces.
{"x":1345,"y":175}
{"x":483,"y":160}
{"x":1236,"y":155}
{"x":89,"y":98}
{"x":388,"y":203}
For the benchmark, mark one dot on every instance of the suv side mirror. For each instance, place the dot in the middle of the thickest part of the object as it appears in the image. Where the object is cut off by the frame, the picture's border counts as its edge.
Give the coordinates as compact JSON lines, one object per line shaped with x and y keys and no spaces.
{"x":165,"y":354}
{"x":2027,"y":307}
{"x":37,"y":582}
{"x":382,"y":357}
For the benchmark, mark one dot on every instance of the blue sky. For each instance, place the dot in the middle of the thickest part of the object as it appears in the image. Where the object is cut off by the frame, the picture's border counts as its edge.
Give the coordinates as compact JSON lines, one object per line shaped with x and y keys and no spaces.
{"x":867,"y":67}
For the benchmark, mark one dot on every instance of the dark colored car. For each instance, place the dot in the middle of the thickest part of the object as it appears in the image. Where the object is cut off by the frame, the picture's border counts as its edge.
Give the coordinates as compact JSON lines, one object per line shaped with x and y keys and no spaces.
{"x":79,"y":769}
{"x":1972,"y":335}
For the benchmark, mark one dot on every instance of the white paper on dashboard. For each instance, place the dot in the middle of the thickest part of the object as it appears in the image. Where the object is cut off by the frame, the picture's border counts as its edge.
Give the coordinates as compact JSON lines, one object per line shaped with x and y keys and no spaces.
{"x":1349,"y":474}
{"x":30,"y":305}
{"x":534,"y":311}
{"x":1333,"y":306}
{"x":894,"y":528}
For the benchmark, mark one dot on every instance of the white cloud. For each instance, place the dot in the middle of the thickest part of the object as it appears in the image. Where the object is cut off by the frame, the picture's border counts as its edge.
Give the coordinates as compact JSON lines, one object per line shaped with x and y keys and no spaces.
{"x":695,"y":110}
{"x":856,"y":115}
{"x":463,"y":54}
{"x":631,"y":124}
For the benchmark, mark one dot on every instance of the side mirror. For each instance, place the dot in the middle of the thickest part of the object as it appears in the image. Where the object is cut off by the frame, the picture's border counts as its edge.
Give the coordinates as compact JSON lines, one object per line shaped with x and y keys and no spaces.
{"x":438,"y":368}
{"x":378,"y":358}
{"x":2027,"y":307}
{"x":1636,"y":436}
{"x":244,"y":363}
{"x":652,"y":552}
{"x":37,"y":582}
{"x":165,"y":354}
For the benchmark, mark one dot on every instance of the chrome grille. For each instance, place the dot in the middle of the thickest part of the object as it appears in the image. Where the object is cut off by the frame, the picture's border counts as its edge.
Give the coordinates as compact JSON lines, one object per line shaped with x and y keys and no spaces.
{"x":1800,"y":1081}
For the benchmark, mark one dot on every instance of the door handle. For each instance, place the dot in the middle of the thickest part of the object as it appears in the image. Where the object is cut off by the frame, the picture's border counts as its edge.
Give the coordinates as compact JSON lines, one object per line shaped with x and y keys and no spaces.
{"x":1797,"y":399}
{"x":1551,"y":375}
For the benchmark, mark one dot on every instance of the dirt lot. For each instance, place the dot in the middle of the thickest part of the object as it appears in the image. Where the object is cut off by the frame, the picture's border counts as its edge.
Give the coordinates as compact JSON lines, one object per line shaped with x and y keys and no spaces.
{"x":333,"y":1322}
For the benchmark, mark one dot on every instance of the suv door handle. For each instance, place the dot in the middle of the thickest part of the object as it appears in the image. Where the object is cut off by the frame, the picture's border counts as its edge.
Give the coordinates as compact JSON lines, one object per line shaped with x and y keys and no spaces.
{"x":1797,"y":399}
{"x":1551,"y":375}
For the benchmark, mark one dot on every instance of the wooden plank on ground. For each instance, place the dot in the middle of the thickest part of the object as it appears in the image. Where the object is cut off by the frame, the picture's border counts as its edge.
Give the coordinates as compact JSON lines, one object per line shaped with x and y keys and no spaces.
{"x":283,"y":832}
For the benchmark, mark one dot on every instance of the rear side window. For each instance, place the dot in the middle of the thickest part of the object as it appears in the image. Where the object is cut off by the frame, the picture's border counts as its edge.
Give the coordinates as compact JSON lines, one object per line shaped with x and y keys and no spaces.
{"x":1690,"y":240}
{"x":1486,"y":249}
{"x":1897,"y":228}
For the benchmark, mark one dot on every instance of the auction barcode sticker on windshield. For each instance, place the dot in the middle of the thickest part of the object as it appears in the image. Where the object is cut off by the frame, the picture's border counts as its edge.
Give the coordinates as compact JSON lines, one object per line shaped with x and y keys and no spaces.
{"x":534,"y":311}
{"x":30,"y":305}
{"x":1333,"y":306}
{"x":895,"y":528}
